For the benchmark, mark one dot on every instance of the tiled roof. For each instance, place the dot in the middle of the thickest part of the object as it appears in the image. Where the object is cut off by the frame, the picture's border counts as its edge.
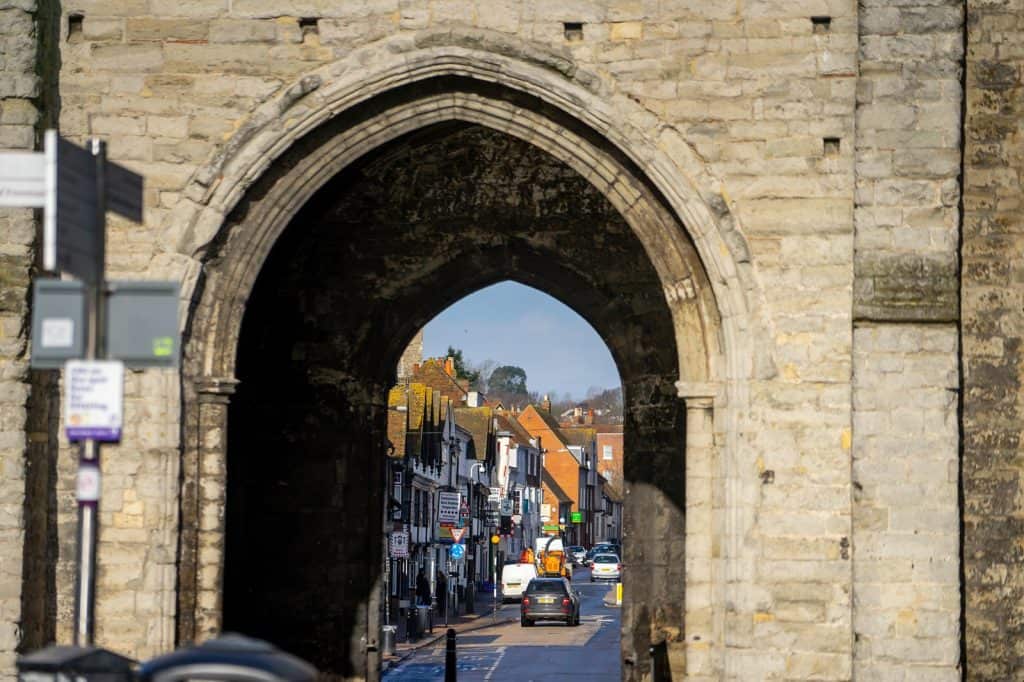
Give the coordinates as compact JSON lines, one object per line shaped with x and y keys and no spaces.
{"x":479,"y":422}
{"x":549,"y":422}
{"x":519,"y":434}
{"x":579,"y":435}
{"x":612,"y":492}
{"x":432,"y":374}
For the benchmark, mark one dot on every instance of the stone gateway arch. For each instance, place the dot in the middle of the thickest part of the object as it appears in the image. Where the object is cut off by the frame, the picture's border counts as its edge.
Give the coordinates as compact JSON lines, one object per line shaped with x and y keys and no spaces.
{"x":793,"y":224}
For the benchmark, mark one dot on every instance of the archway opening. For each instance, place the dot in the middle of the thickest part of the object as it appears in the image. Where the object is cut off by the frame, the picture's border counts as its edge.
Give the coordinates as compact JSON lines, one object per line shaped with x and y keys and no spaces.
{"x":509,"y":407}
{"x":376,"y":253}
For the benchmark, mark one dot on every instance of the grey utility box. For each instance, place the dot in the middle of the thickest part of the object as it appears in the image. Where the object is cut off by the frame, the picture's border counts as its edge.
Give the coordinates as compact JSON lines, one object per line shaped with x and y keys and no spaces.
{"x":58,"y":322}
{"x":142,"y":323}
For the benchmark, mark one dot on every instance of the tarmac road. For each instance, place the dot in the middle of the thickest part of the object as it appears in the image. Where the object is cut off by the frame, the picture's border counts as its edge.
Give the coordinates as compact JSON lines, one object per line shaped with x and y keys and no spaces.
{"x":547,"y":651}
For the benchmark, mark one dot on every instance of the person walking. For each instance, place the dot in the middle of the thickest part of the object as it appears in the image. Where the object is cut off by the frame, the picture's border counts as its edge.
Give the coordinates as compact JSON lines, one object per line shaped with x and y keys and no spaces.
{"x":422,"y":589}
{"x":442,"y":593}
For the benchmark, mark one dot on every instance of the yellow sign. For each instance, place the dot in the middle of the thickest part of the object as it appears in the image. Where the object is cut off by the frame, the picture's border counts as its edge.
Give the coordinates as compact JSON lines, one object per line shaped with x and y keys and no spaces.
{"x":494,"y":539}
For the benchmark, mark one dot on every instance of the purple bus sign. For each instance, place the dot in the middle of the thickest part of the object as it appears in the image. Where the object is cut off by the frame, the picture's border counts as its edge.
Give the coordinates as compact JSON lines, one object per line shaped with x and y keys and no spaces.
{"x":93,"y":401}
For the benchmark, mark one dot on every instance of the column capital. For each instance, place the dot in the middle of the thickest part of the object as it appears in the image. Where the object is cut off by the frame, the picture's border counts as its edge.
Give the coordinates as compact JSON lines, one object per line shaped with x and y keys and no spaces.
{"x":700,"y":394}
{"x":215,"y":389}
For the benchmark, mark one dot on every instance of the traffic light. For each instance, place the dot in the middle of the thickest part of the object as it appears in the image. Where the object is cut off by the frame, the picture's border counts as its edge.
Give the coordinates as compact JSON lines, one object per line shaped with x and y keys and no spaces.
{"x":506,"y":525}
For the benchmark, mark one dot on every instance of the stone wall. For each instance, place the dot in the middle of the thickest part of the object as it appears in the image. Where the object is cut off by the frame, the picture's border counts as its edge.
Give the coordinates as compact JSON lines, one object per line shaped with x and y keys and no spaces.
{"x":823,"y":136}
{"x":905,"y":518}
{"x":905,"y":524}
{"x":20,"y":89}
{"x":993,"y":321}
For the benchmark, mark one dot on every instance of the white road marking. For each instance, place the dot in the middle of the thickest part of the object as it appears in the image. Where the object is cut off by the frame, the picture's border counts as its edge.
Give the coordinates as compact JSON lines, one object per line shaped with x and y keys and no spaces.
{"x":497,"y":662}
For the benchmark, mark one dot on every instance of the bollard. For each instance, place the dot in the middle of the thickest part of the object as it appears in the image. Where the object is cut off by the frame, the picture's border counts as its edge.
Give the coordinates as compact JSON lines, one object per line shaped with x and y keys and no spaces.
{"x":450,"y":674}
{"x":660,"y":671}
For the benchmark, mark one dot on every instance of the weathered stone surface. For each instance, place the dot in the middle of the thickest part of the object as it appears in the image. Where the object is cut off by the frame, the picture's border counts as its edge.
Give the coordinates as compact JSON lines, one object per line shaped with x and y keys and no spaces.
{"x":992,"y":331}
{"x":816,"y":166}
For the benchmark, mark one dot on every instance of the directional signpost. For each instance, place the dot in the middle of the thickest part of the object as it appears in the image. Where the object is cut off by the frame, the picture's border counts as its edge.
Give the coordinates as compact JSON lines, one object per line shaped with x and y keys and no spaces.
{"x":75,"y":187}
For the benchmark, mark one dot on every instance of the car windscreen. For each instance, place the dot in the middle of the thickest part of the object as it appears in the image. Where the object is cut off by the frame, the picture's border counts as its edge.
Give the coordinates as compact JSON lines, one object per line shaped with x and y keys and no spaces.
{"x":546,"y":587}
{"x":606,"y":559}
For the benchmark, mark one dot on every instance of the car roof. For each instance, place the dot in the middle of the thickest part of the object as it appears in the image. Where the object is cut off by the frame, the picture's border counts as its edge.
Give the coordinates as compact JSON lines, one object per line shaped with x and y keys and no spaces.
{"x":546,"y":581}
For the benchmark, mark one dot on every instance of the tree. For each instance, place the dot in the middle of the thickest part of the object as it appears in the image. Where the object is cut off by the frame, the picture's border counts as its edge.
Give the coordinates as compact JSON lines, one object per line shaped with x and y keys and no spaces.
{"x":461,"y":368}
{"x":509,"y":380}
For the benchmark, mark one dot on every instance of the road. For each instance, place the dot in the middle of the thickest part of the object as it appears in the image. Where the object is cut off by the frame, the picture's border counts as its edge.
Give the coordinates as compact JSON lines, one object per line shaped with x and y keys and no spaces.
{"x":547,"y":651}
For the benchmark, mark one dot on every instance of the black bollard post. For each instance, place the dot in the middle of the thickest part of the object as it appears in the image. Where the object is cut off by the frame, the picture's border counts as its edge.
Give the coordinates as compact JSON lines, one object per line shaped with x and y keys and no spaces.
{"x":660,"y":671}
{"x":450,"y":674}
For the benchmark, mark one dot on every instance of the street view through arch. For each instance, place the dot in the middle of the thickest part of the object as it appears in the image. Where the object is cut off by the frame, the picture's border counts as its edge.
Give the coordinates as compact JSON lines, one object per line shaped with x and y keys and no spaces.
{"x":506,"y":482}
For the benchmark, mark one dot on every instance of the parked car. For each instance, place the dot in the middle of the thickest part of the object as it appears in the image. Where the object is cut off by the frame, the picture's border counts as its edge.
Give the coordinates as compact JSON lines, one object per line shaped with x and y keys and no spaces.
{"x":601,"y":548}
{"x":578,"y":554}
{"x":515,"y":578}
{"x":549,"y":599}
{"x":606,"y":567}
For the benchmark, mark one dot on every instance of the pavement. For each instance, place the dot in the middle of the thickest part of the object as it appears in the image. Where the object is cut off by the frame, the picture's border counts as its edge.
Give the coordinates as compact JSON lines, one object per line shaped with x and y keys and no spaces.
{"x":470,"y":622}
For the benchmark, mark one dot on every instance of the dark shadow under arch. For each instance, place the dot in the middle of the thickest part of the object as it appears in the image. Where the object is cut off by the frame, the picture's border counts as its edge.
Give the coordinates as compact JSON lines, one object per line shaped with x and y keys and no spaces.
{"x":380,"y":250}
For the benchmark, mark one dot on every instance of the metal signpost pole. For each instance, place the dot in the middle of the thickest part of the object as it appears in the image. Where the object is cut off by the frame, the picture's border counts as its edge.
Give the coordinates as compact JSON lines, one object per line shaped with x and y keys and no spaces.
{"x":494,"y":575}
{"x":88,"y":488}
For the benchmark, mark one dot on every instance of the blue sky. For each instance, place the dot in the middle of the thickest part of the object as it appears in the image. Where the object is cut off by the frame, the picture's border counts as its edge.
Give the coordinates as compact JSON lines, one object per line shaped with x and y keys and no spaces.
{"x":513,"y":324}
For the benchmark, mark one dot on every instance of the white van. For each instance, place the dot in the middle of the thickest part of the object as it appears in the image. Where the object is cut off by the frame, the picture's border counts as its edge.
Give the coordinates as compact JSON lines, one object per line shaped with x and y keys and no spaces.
{"x":515,"y":578}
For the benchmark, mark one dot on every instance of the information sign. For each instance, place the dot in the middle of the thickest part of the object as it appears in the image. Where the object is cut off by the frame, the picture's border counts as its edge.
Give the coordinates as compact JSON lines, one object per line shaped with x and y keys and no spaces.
{"x":495,"y":495}
{"x":506,"y":507}
{"x":545,"y":512}
{"x":23,"y":179}
{"x":93,"y":399}
{"x":448,"y":507}
{"x":399,"y":544}
{"x":457,"y":551}
{"x":576,"y":517}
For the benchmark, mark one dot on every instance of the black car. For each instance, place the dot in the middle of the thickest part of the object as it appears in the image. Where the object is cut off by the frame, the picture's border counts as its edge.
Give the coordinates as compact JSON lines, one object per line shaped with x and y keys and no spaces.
{"x":550,"y":599}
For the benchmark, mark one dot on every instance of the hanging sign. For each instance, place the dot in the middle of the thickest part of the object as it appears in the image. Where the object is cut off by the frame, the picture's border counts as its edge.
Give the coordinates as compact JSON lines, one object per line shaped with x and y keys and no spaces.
{"x":448,"y":507}
{"x":399,"y":544}
{"x":93,"y":399}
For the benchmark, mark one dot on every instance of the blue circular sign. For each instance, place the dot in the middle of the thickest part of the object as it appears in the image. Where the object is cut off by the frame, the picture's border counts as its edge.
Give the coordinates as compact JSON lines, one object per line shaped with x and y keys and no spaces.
{"x":457,"y":551}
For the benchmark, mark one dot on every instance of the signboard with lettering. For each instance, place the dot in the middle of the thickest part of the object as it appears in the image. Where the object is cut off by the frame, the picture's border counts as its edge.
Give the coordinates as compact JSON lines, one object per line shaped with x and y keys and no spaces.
{"x":398,"y":545}
{"x":545,"y":512}
{"x":448,"y":507}
{"x":93,"y":399}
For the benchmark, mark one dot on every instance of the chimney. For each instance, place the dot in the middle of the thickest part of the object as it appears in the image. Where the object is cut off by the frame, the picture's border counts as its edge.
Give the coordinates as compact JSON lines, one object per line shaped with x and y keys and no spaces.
{"x":590,"y":417}
{"x":546,"y":404}
{"x":449,"y":366}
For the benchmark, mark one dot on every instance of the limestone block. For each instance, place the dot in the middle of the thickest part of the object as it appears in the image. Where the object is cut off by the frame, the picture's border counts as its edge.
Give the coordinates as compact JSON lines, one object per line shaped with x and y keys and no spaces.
{"x":101,"y":28}
{"x":625,"y":30}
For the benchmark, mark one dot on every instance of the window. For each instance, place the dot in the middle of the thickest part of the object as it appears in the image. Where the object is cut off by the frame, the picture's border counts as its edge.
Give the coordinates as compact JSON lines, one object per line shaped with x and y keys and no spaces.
{"x":606,"y":452}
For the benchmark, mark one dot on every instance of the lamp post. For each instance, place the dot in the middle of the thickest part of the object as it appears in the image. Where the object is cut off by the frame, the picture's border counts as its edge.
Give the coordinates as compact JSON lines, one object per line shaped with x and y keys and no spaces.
{"x":472,"y":474}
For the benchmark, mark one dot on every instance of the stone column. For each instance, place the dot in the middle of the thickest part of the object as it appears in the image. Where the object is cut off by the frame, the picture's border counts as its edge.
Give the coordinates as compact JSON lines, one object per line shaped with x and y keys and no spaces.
{"x":701,"y":625}
{"x":202,"y":499}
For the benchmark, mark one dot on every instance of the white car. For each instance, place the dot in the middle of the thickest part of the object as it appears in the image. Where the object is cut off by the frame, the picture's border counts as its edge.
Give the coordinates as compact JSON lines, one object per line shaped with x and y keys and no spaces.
{"x":515,"y":578}
{"x":606,"y":567}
